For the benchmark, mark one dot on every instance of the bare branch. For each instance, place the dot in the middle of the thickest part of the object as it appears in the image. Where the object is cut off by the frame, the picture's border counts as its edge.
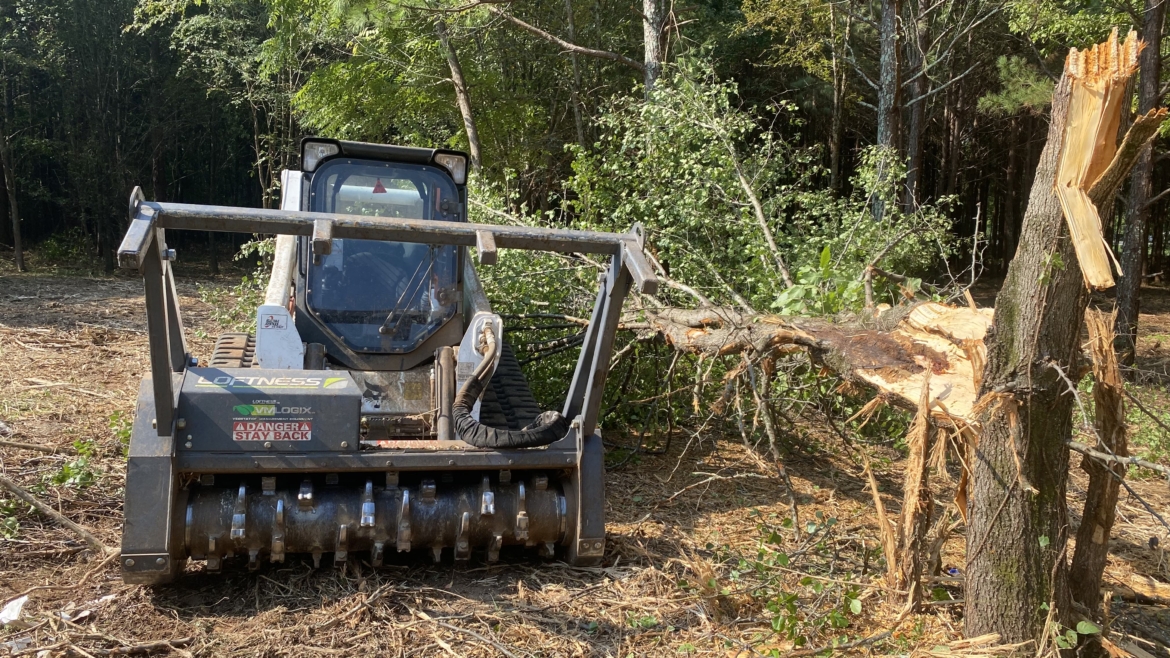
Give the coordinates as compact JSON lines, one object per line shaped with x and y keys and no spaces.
{"x":677,"y":285}
{"x":943,"y":86}
{"x":571,"y":47}
{"x":1117,"y":459}
{"x":1157,"y":197}
{"x":94,"y":543}
{"x":455,"y":10}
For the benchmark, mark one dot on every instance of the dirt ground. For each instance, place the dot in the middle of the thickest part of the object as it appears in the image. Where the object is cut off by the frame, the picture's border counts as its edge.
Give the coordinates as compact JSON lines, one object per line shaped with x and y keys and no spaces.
{"x":693,"y":563}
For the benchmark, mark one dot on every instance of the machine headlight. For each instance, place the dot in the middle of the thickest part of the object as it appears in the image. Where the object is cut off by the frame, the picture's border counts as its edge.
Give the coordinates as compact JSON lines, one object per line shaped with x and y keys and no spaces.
{"x":315,"y":152}
{"x":456,"y":165}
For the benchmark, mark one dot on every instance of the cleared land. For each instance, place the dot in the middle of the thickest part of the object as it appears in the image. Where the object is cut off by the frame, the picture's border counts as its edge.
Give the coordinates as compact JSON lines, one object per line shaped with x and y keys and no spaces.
{"x":699,"y":561}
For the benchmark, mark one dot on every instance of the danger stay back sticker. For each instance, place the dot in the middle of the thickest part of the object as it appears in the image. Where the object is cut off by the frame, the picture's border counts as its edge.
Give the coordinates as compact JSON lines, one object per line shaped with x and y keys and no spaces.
{"x":272,"y":430}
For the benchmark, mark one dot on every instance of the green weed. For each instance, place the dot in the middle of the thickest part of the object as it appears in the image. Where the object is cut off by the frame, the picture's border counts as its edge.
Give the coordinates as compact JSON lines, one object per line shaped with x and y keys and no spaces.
{"x":121,"y":425}
{"x":9,"y":526}
{"x":78,"y":472}
{"x":234,"y":307}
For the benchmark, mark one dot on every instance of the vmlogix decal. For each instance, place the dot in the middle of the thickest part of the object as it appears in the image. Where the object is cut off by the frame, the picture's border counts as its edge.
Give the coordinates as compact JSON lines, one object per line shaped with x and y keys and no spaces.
{"x":267,"y":420}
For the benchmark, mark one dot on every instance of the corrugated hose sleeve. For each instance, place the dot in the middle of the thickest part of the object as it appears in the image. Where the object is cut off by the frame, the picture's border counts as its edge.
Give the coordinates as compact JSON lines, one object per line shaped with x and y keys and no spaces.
{"x":548,"y":426}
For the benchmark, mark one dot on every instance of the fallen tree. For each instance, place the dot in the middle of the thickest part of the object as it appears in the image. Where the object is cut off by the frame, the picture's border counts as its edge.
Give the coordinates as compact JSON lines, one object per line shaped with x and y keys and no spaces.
{"x":1006,"y":381}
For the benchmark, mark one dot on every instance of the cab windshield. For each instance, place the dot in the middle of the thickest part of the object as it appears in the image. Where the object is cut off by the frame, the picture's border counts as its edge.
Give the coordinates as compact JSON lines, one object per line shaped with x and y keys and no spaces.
{"x":376,"y":296}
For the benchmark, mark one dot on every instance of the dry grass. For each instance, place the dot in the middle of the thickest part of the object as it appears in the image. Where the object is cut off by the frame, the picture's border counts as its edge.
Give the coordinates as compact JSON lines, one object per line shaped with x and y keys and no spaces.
{"x":689,"y":570}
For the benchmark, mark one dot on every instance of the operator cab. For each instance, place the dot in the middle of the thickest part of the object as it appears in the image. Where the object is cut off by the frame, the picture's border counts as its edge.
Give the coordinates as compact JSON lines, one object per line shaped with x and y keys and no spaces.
{"x":378,"y":305}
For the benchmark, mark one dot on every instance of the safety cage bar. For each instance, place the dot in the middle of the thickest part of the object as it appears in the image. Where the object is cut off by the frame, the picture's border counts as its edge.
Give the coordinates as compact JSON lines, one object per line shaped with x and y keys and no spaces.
{"x":144,"y":249}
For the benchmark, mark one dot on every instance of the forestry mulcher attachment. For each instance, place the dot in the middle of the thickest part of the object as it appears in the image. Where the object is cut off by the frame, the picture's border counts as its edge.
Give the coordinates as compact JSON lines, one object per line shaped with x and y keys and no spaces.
{"x":376,"y":408}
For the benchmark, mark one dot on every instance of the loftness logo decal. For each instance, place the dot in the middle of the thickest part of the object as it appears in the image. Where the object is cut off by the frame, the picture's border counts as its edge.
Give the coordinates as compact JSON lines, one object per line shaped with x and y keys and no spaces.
{"x":228,"y":381}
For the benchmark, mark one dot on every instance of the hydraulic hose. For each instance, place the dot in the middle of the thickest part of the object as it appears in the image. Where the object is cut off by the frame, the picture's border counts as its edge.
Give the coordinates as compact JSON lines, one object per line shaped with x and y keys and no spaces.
{"x":548,"y":426}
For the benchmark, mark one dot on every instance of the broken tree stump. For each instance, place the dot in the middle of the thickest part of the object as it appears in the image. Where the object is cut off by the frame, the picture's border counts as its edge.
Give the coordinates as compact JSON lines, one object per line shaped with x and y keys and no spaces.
{"x":1018,"y":518}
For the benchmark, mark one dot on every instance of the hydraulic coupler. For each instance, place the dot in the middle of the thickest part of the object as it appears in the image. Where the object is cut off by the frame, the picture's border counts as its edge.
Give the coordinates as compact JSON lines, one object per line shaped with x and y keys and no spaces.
{"x":270,"y":517}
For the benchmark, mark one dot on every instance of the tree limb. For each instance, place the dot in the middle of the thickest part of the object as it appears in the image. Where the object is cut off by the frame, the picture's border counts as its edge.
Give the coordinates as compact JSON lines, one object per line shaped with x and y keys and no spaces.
{"x":53,"y":514}
{"x":1140,"y":132}
{"x":1117,"y":459}
{"x":1158,"y":197}
{"x":571,"y":47}
{"x":762,"y":220}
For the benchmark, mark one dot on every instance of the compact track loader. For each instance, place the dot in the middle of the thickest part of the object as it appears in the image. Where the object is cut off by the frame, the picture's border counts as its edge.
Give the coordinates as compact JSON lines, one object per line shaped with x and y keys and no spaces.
{"x":376,"y":407}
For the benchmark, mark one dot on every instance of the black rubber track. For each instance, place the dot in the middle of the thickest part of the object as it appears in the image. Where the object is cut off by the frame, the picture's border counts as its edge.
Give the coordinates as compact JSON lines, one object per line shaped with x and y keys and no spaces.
{"x":508,"y":402}
{"x":234,"y":350}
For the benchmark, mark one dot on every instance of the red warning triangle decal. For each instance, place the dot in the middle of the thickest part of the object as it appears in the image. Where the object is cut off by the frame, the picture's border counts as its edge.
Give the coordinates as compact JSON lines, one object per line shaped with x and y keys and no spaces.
{"x":379,"y":188}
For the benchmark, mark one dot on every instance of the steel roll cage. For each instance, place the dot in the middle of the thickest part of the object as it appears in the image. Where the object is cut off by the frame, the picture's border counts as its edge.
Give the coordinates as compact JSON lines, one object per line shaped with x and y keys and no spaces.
{"x":144,"y":249}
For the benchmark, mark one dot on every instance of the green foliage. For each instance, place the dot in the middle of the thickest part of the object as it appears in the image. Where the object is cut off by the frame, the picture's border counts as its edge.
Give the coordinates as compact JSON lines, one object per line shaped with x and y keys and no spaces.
{"x":1022,"y":88}
{"x":1146,"y":435}
{"x":1067,"y":638}
{"x":1054,"y":25}
{"x":644,"y":622}
{"x":9,"y":525}
{"x":234,"y":307}
{"x":800,"y":31}
{"x":229,"y":47}
{"x":67,"y":249}
{"x":817,"y":606}
{"x":674,"y":164}
{"x":78,"y":472}
{"x":121,"y":425}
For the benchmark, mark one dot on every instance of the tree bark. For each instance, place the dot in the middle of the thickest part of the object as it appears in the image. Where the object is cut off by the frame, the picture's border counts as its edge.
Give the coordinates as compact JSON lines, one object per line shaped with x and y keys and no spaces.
{"x":575,"y":89}
{"x":651,"y":43}
{"x":840,"y":90}
{"x":916,"y":130}
{"x":462,"y":96}
{"x":1018,"y":520}
{"x":10,"y":174}
{"x":889,"y":89}
{"x":1138,"y":212}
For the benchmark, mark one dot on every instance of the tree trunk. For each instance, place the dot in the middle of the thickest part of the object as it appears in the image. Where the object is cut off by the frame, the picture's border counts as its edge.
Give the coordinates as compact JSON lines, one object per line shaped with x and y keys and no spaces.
{"x":1137,"y":214}
{"x":1011,"y":184}
{"x":462,"y":97}
{"x":889,"y":84}
{"x":575,"y":89}
{"x":13,"y":209}
{"x":840,"y":90}
{"x":1088,"y":563}
{"x":213,"y":257}
{"x":651,"y":42}
{"x":1018,"y":519}
{"x":916,"y":130}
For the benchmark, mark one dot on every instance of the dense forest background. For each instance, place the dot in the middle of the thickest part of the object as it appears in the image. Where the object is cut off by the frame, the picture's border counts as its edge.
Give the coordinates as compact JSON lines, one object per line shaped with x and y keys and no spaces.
{"x":755,"y":138}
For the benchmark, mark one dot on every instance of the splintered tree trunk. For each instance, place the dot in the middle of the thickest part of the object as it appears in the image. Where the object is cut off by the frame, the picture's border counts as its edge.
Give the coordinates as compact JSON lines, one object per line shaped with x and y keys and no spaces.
{"x":1018,"y":516}
{"x":917,"y":504}
{"x":1088,"y":562}
{"x":1020,"y":468}
{"x":1138,"y":212}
